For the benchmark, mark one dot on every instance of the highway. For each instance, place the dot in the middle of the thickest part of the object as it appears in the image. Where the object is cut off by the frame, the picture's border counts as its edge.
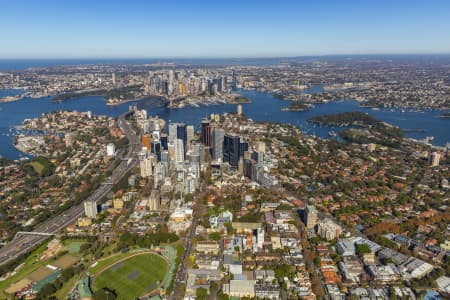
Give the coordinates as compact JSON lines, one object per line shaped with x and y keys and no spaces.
{"x":24,"y":243}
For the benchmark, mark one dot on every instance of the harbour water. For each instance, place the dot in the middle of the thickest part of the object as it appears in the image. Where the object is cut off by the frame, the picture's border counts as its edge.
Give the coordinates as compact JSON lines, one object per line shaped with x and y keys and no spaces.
{"x":264,"y":107}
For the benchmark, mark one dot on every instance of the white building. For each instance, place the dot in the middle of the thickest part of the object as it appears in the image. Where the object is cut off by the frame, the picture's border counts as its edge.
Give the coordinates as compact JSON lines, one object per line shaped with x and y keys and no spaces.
{"x":189,"y":135}
{"x":329,"y":230}
{"x":240,"y":288}
{"x":434,"y":159}
{"x":145,"y":165}
{"x":110,"y":150}
{"x":90,"y":209}
{"x":179,"y":151}
{"x":443,"y":284}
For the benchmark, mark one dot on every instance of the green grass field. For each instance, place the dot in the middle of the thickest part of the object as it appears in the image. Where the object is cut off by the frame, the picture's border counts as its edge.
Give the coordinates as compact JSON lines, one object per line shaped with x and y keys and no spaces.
{"x":74,"y":247}
{"x":31,"y":263}
{"x":38,"y":167}
{"x":133,"y":277}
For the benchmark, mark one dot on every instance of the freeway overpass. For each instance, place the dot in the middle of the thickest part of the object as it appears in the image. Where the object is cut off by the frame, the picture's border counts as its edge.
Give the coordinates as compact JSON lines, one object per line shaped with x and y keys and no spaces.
{"x":25,"y":242}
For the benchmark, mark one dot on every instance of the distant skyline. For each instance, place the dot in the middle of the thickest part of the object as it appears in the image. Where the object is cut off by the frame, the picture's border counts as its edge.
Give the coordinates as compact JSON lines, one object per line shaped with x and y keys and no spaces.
{"x":221,"y":29}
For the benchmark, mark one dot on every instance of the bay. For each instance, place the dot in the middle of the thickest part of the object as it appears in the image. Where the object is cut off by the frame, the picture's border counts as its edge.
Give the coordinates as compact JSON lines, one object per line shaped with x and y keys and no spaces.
{"x":264,"y":107}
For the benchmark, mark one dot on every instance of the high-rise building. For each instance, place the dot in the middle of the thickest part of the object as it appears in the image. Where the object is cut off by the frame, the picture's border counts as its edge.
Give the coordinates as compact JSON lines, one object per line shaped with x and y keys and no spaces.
{"x":90,"y":208}
{"x":154,"y":201}
{"x":182,"y":133}
{"x":69,"y":139}
{"x":189,"y":135}
{"x":145,"y":141}
{"x":179,"y":151}
{"x":170,"y":88}
{"x":248,"y":168}
{"x":181,"y":89}
{"x":206,"y":133}
{"x":165,"y":156}
{"x":260,"y":237}
{"x":243,"y":147}
{"x":110,"y":150}
{"x":156,"y":149}
{"x":146,"y":166}
{"x":261,"y":147}
{"x":234,"y":81}
{"x":328,"y":230}
{"x":164,"y":141}
{"x":239,"y":109}
{"x":434,"y":159}
{"x":173,"y":132}
{"x":217,"y":144}
{"x":231,"y":149}
{"x":113,"y":78}
{"x":311,"y":216}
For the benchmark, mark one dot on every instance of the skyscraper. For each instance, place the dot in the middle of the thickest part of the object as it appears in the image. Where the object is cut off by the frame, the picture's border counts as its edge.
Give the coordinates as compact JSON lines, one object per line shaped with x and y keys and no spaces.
{"x":172,"y":132}
{"x":217,"y":143}
{"x":145,"y":141}
{"x":179,"y":151}
{"x":231,"y":149}
{"x":145,"y":165}
{"x":170,"y":87}
{"x":310,"y":216}
{"x":189,"y":135}
{"x":164,"y":141}
{"x":206,"y":133}
{"x":434,"y":159}
{"x":113,"y":79}
{"x":182,"y":133}
{"x":243,"y":146}
{"x":156,"y":149}
{"x":234,"y":81}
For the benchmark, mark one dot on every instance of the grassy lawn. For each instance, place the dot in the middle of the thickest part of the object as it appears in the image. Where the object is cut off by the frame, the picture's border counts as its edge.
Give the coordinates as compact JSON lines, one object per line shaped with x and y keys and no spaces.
{"x":32,"y":263}
{"x":38,"y":167}
{"x":107,"y":262}
{"x":73,"y":246}
{"x":133,"y":277}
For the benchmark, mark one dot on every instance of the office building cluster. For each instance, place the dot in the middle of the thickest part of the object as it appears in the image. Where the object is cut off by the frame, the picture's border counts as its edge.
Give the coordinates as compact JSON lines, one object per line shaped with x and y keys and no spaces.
{"x":172,"y":155}
{"x":179,"y":83}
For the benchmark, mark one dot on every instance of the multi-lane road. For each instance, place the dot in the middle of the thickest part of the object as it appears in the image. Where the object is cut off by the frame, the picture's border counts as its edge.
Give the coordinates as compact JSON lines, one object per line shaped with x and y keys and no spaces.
{"x":24,"y":243}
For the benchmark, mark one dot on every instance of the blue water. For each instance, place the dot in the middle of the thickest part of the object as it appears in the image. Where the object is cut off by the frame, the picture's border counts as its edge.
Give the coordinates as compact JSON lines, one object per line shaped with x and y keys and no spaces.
{"x":22,"y":64}
{"x":264,"y":107}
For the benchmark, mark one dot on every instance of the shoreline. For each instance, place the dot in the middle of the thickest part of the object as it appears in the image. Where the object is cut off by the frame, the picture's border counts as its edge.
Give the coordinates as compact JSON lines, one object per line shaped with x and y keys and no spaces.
{"x":9,"y":99}
{"x":108,"y":103}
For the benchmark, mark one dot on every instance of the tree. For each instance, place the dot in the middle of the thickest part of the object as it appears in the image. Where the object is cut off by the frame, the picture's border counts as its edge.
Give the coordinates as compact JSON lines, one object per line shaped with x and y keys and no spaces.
{"x":215,"y":236}
{"x":105,"y":294}
{"x":362,"y":249}
{"x":201,"y":294}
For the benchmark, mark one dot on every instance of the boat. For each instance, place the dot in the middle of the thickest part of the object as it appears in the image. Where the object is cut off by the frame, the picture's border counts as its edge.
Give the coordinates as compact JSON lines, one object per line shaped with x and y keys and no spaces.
{"x":332,"y":133}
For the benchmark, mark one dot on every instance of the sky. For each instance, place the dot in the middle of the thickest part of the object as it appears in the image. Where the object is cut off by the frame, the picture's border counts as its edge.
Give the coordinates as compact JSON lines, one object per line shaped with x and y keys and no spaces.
{"x":227,"y":28}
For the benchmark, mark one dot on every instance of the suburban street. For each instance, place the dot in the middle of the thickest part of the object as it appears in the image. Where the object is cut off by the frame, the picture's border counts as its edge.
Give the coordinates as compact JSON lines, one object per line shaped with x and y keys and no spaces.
{"x":24,"y":242}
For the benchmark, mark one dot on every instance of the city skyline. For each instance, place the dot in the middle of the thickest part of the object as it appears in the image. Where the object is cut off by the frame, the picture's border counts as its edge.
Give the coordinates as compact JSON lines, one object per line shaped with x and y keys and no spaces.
{"x":50,"y":29}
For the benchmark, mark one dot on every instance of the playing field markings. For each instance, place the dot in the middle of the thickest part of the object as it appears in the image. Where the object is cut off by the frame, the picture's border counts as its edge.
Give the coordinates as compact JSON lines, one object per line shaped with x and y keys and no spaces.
{"x":133,"y":275}
{"x":117,"y":266}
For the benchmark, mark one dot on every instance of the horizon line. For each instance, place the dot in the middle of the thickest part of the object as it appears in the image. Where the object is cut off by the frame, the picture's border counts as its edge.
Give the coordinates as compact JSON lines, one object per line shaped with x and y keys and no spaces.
{"x":228,"y":57}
